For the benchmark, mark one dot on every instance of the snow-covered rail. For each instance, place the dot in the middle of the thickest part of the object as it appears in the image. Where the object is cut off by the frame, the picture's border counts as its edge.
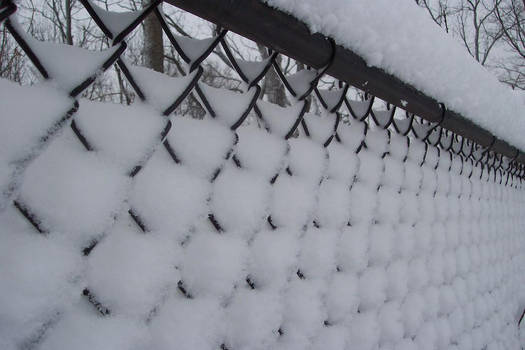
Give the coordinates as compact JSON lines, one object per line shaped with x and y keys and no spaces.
{"x":132,"y":227}
{"x":257,"y":21}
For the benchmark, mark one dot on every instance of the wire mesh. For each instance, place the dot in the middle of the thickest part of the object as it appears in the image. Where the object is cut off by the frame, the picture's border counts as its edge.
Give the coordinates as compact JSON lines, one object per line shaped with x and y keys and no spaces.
{"x":381,"y":141}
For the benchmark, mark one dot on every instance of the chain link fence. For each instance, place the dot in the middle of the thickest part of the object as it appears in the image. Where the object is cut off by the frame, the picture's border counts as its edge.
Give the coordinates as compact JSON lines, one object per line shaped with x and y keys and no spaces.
{"x":258,"y":226}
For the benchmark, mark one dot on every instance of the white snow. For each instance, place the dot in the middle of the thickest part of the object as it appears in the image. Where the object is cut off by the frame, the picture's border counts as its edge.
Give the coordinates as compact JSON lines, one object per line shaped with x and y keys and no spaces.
{"x":372,"y":288}
{"x":381,"y":244}
{"x":38,"y":279}
{"x":211,"y":143}
{"x":334,"y":204}
{"x":400,"y":38}
{"x":84,"y":330}
{"x":359,"y":108}
{"x":253,"y":319}
{"x":189,"y":324}
{"x":160,"y":90}
{"x":116,"y":22}
{"x":343,"y":163}
{"x":331,"y":97}
{"x":342,"y":297}
{"x":307,"y":159}
{"x":320,"y":128}
{"x":124,"y":134}
{"x":231,"y":112}
{"x":260,"y":152}
{"x":279,"y":120}
{"x":21,"y":134}
{"x":213,"y":263}
{"x":74,"y":192}
{"x":272,"y":258}
{"x":286,"y":214}
{"x":193,"y":48}
{"x":362,"y":203}
{"x":365,"y":331}
{"x":68,"y":66}
{"x":182,"y":194}
{"x":352,"y":248}
{"x":300,"y":82}
{"x":303,"y":312}
{"x":129,"y":272}
{"x":250,"y":240}
{"x":317,"y":253}
{"x":252,"y":69}
{"x":239,"y":200}
{"x":352,"y":135}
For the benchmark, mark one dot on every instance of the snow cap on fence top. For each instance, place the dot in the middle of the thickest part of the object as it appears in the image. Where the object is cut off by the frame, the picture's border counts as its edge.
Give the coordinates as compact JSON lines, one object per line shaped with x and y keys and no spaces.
{"x":398,"y":37}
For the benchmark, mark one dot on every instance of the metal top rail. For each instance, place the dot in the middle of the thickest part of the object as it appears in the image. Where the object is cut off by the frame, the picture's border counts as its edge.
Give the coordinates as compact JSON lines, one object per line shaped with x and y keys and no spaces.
{"x":258,"y":22}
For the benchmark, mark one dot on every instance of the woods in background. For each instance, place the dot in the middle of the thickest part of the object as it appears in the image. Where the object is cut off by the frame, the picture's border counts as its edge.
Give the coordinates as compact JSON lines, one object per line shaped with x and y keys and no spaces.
{"x":492,"y":31}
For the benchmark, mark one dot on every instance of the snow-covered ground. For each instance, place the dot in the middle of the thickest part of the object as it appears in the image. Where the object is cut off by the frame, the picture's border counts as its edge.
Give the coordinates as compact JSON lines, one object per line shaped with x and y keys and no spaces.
{"x":399,"y":37}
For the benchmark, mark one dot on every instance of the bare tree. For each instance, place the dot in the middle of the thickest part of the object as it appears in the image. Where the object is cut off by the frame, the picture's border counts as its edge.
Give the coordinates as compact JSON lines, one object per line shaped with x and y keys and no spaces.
{"x":12,"y":61}
{"x":492,"y":32}
{"x":472,"y":21}
{"x":510,"y":15}
{"x":439,"y":11}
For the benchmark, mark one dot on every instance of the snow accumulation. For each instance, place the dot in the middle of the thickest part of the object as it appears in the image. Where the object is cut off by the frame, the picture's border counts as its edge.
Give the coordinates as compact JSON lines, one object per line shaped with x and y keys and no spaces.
{"x":398,"y":37}
{"x":124,"y":228}
{"x":67,"y":65}
{"x":21,"y":134}
{"x":248,"y":240}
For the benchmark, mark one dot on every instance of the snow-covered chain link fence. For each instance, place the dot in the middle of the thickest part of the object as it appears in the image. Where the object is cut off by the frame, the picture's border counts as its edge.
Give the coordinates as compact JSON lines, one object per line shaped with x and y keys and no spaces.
{"x":134,"y":228}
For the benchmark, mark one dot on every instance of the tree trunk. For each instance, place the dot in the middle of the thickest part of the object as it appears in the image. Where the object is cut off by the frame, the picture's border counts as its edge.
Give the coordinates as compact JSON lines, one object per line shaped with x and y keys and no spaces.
{"x":153,"y":44}
{"x":273,"y":88}
{"x":69,"y":26}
